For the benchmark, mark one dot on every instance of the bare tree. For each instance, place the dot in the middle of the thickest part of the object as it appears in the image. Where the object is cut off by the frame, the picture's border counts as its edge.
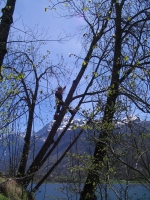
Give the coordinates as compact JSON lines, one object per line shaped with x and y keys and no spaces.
{"x":28,"y":82}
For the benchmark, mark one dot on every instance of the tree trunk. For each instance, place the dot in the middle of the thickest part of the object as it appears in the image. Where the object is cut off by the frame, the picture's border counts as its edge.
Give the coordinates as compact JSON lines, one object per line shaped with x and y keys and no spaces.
{"x":36,"y":163}
{"x":25,"y":152}
{"x":88,"y":192}
{"x":6,"y":21}
{"x":26,"y":147}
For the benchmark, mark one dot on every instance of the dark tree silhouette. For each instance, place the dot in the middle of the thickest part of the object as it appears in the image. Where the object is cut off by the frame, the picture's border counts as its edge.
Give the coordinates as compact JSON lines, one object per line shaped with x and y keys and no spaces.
{"x":6,"y":21}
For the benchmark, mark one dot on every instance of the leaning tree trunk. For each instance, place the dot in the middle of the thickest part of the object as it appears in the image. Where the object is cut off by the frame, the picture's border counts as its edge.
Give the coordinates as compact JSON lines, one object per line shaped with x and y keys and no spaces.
{"x":6,"y":21}
{"x":88,"y":192}
{"x":36,"y":164}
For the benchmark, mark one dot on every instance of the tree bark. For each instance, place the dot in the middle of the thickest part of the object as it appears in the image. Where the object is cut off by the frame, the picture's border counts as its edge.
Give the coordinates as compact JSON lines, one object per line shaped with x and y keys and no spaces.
{"x":6,"y":21}
{"x":36,"y":163}
{"x":88,"y":192}
{"x":25,"y":152}
{"x":56,"y":163}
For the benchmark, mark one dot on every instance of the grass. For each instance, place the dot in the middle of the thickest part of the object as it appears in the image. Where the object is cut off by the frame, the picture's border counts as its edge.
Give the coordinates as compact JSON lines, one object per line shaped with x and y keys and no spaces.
{"x":2,"y":197}
{"x":11,"y":190}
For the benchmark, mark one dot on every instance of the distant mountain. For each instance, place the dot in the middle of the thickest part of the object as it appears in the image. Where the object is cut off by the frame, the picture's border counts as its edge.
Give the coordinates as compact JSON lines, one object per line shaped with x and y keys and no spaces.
{"x":11,"y":145}
{"x":132,"y":125}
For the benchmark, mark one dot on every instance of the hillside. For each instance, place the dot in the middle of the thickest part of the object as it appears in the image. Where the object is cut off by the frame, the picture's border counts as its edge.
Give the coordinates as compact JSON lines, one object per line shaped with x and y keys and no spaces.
{"x":128,"y":126}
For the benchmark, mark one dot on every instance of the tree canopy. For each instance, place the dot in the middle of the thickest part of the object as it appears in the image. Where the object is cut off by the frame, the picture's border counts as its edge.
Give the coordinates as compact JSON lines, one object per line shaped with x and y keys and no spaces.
{"x":112,"y":82}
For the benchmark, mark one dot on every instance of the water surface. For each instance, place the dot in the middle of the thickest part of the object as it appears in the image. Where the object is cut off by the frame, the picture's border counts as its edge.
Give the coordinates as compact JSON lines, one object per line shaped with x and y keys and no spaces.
{"x":53,"y":191}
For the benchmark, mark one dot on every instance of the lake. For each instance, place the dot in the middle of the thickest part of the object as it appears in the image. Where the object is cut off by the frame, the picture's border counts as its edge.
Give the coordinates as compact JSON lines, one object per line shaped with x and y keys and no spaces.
{"x":57,"y":191}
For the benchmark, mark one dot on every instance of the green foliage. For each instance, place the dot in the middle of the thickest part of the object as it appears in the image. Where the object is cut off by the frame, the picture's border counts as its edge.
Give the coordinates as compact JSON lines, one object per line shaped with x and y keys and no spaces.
{"x":126,"y":58}
{"x":129,"y":18}
{"x":84,"y":63}
{"x":74,"y":127}
{"x":85,"y":9}
{"x":2,"y":197}
{"x":95,"y":74}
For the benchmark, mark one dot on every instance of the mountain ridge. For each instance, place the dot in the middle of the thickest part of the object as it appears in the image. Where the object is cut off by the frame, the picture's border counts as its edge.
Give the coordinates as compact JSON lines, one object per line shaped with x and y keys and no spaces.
{"x":39,"y":137}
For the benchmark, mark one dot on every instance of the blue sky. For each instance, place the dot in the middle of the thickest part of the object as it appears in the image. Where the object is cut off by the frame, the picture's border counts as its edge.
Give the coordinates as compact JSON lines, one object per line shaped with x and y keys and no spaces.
{"x":28,"y":14}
